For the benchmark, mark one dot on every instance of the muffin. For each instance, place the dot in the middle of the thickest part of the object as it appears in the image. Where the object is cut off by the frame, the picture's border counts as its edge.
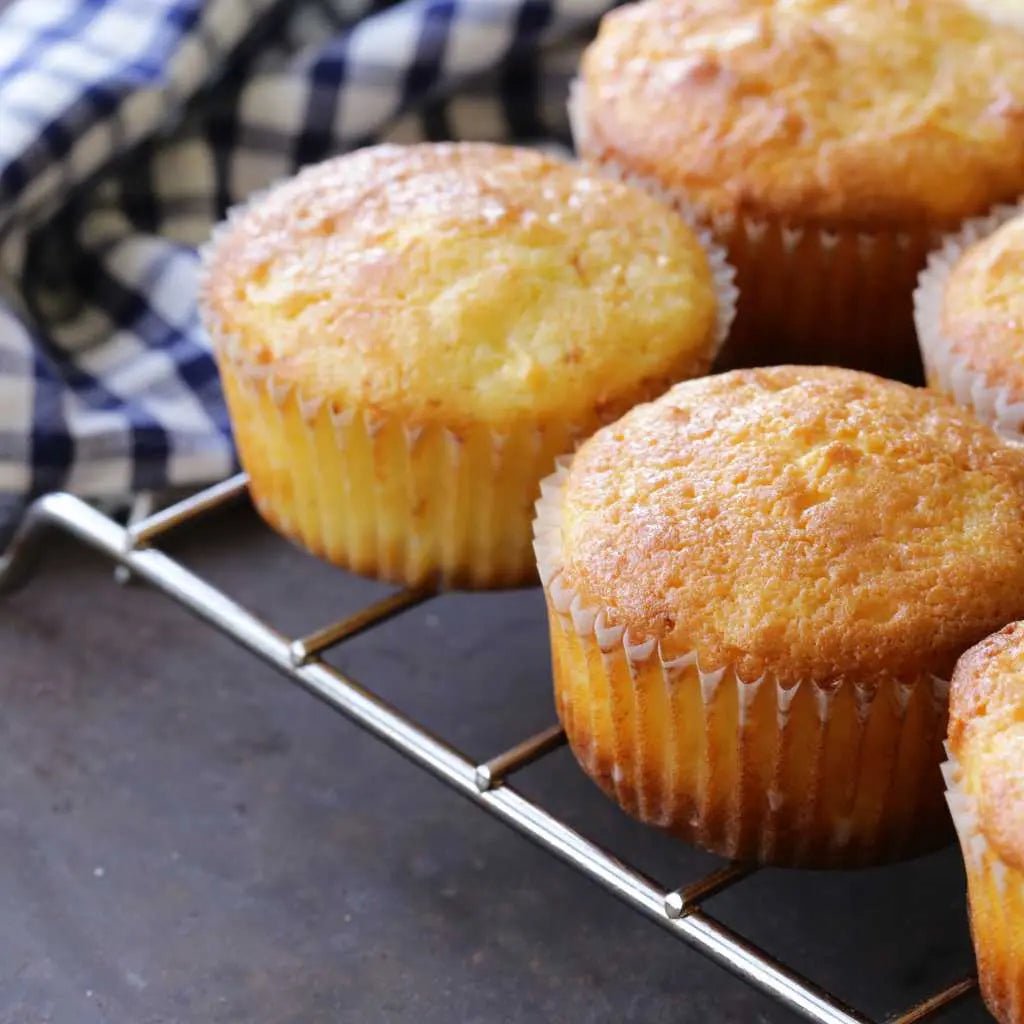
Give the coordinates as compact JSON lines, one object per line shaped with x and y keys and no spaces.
{"x":969,"y":309}
{"x":829,"y":143}
{"x":757,"y":585}
{"x":986,"y":795}
{"x":408,"y":336}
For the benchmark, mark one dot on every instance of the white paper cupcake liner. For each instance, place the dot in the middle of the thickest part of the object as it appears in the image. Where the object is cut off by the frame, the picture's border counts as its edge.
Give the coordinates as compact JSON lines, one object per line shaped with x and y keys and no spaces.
{"x":964,"y":811}
{"x":412,"y":503}
{"x":993,"y":402}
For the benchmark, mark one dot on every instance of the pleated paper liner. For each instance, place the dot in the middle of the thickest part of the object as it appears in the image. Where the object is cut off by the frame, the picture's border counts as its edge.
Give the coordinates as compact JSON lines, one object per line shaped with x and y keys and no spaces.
{"x":373,"y":496}
{"x":776,"y":771}
{"x":402,"y":501}
{"x":837,"y":297}
{"x":996,"y":896}
{"x":945,"y":369}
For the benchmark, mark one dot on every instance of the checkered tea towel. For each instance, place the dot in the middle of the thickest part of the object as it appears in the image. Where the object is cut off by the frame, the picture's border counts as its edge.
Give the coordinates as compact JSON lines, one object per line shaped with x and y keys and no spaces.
{"x":126,"y":129}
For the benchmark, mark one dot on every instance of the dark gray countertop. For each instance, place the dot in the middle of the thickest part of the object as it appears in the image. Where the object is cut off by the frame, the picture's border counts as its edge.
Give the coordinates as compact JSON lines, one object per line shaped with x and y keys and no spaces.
{"x":184,"y":837}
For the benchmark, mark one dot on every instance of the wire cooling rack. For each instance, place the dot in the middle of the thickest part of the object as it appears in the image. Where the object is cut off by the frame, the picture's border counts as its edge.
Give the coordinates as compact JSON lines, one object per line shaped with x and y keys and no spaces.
{"x":679,"y":911}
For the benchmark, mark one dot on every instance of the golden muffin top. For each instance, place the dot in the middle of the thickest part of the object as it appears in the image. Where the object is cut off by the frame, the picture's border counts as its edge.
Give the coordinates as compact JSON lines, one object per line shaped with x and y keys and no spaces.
{"x":862,"y":113}
{"x":807,"y":522}
{"x":459,"y":282}
{"x":982,"y":314}
{"x":986,"y":735}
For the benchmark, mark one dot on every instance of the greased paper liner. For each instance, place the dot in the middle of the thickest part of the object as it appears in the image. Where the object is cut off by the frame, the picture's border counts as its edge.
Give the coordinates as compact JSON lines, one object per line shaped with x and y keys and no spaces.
{"x":991,"y":400}
{"x":773,"y":770}
{"x":399,"y":500}
{"x":996,"y":898}
{"x":808,"y":294}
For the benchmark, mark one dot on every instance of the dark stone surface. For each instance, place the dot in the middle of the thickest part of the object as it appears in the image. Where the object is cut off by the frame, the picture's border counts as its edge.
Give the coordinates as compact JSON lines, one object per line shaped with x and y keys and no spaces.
{"x":186,"y":838}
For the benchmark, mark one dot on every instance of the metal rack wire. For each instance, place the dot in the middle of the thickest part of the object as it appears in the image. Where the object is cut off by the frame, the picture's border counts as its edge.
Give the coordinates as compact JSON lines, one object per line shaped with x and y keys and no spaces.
{"x":679,"y":910}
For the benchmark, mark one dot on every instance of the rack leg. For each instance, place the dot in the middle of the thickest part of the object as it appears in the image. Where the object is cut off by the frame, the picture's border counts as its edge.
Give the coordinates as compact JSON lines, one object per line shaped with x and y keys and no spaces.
{"x":142,"y":508}
{"x":19,"y":560}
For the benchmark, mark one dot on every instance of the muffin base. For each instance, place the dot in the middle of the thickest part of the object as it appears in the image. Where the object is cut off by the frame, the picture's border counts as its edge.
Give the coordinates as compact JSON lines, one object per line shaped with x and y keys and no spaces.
{"x":420,"y":507}
{"x":808,"y":295}
{"x":774,"y":771}
{"x":945,"y":370}
{"x":996,"y":898}
{"x":841,"y":297}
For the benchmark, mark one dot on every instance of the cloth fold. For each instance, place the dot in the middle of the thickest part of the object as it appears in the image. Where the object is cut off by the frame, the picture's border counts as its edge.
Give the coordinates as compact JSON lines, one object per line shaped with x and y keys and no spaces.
{"x":127,"y":127}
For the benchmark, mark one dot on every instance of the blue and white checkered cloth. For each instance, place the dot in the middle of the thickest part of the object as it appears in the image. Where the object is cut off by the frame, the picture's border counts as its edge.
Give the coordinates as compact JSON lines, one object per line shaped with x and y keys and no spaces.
{"x":126,"y":129}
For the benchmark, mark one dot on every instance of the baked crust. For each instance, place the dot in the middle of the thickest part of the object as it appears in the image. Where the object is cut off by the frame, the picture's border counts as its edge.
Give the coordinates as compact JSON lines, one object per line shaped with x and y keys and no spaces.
{"x":983,"y":307}
{"x":986,"y":735}
{"x":811,"y":523}
{"x":862,"y":113}
{"x":463,"y":283}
